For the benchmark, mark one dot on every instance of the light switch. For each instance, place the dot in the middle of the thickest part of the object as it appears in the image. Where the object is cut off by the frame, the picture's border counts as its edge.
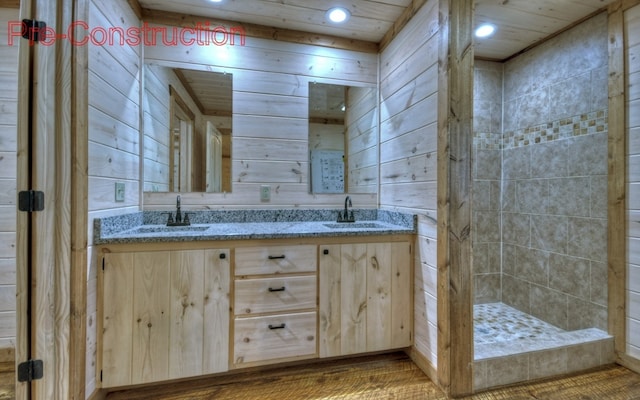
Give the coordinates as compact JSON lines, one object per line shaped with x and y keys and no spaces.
{"x":265,"y":193}
{"x":119,"y":192}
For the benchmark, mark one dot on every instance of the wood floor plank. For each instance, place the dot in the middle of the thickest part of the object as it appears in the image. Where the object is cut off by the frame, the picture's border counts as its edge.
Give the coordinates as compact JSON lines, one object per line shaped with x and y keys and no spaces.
{"x":390,"y":376}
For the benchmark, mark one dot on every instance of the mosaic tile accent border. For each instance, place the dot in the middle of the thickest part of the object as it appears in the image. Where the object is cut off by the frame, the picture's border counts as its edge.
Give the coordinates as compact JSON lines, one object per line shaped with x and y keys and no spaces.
{"x":487,"y":141}
{"x":578,"y":125}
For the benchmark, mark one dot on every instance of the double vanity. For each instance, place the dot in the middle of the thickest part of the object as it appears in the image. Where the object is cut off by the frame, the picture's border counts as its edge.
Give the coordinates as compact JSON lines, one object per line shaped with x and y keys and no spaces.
{"x":237,"y":289}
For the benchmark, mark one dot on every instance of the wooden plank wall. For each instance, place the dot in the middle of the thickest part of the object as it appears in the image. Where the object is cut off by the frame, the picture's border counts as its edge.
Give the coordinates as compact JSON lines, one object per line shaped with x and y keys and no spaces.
{"x":632,"y":50}
{"x":114,"y":140}
{"x":8,"y":143}
{"x":408,"y":154}
{"x":270,"y":128}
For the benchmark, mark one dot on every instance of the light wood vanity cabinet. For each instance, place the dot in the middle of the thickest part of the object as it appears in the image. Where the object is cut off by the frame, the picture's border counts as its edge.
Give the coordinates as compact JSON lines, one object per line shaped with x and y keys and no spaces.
{"x":275,"y":304}
{"x":365,"y":297}
{"x":165,"y":315}
{"x":176,"y":310}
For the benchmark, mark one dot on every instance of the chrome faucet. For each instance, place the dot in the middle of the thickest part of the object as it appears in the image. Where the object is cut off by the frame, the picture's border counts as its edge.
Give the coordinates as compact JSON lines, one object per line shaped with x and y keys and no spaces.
{"x":178,"y":221}
{"x":346,"y":215}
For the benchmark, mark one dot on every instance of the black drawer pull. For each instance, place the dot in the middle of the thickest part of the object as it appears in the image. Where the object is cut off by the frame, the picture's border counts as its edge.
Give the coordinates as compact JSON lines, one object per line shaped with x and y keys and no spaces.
{"x":223,"y":256}
{"x":281,"y":289}
{"x":276,"y":257}
{"x":325,"y":251}
{"x":281,"y":326}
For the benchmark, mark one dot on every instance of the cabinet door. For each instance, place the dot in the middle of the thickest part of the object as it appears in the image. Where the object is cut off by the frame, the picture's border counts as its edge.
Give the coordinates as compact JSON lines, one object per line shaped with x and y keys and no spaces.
{"x":165,"y":315}
{"x":217,"y":281}
{"x":365,"y":298}
{"x":389,"y":290}
{"x":353,"y":298}
{"x":117,"y":317}
{"x":329,"y":298}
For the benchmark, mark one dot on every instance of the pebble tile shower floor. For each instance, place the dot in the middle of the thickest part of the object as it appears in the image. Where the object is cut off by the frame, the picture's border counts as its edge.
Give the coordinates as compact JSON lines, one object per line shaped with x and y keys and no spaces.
{"x":518,"y":332}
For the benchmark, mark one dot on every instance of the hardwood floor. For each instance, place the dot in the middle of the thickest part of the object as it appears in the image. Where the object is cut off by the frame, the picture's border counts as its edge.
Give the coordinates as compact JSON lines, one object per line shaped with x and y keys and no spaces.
{"x":391,"y":376}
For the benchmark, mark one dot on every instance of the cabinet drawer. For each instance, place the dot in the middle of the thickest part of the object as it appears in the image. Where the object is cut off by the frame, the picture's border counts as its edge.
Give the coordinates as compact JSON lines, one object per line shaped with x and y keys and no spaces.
{"x":265,"y":295}
{"x":280,"y":336}
{"x":275,"y":259}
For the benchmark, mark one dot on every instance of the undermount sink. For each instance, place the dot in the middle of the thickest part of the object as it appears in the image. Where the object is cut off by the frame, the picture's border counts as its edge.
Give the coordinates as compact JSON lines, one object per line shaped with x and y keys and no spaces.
{"x":168,"y":229}
{"x":354,"y":225}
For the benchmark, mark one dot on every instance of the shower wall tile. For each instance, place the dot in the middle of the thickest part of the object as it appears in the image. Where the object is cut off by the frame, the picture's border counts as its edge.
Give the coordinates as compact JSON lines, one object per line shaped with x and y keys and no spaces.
{"x":495,"y":195}
{"x":493,"y":257}
{"x":549,"y":305}
{"x":482,"y":119}
{"x":584,"y":314}
{"x":532,"y":196}
{"x":487,"y":288}
{"x":600,"y":88}
{"x":510,"y":116}
{"x":516,"y":228}
{"x":587,"y":155}
{"x":532,"y":265}
{"x":567,"y":98}
{"x":517,"y":163}
{"x":570,"y":275}
{"x":598,"y":197}
{"x":516,"y":293}
{"x":509,"y":253}
{"x":488,"y":164}
{"x":487,"y":81}
{"x":509,"y":195}
{"x":588,"y":238}
{"x":486,"y":195}
{"x":487,"y":226}
{"x":549,"y":160}
{"x":599,"y":287}
{"x":518,"y":76}
{"x":480,"y":258}
{"x":533,"y":108}
{"x":570,"y":196}
{"x":549,"y":232}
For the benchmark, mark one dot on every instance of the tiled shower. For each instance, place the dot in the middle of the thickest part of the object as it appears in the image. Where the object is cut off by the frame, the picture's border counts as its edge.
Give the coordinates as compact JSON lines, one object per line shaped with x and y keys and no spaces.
{"x":540,"y":209}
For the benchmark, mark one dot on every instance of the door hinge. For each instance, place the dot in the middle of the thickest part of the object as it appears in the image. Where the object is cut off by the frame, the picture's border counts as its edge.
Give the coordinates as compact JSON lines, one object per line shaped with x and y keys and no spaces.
{"x":33,"y":30}
{"x":31,"y":200}
{"x":100,"y":375}
{"x":30,"y":370}
{"x":103,"y":263}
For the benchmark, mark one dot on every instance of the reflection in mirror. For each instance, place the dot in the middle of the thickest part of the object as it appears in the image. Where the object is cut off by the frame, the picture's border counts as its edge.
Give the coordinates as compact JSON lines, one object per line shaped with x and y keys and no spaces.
{"x":342,"y":139}
{"x":187,"y":130}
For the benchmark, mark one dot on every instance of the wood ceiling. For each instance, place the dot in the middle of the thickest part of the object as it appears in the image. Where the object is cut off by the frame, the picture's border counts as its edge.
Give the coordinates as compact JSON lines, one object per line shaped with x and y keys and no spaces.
{"x":520,"y":23}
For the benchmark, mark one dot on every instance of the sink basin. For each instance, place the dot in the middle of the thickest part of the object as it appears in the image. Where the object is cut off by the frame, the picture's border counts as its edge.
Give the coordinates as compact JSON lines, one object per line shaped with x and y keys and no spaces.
{"x":355,"y":225}
{"x":169,"y":229}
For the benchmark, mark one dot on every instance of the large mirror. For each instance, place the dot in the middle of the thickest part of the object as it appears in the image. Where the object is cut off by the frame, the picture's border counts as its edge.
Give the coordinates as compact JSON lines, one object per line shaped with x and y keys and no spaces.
{"x":343,"y":155}
{"x":187,"y":130}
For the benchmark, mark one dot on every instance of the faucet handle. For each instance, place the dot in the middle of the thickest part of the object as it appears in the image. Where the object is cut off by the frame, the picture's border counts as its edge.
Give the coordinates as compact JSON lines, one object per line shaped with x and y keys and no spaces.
{"x":186,"y":221}
{"x":170,"y":218}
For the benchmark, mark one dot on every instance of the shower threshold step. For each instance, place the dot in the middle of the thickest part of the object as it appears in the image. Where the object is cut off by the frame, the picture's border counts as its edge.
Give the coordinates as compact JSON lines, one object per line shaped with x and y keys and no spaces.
{"x":501,"y":330}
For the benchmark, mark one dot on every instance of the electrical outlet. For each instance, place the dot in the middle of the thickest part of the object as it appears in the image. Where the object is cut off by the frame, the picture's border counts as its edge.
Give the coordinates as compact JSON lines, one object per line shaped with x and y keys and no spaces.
{"x":119,"y":192}
{"x":265,"y":193}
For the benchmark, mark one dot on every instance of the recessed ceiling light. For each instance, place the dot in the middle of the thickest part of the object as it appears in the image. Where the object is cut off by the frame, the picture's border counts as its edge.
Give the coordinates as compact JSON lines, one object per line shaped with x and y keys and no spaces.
{"x":338,"y":14}
{"x":485,"y":30}
{"x":216,"y":1}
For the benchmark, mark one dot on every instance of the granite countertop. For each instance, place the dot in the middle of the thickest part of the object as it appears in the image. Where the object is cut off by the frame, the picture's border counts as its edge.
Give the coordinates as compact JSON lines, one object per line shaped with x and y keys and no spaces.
{"x":149,"y":226}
